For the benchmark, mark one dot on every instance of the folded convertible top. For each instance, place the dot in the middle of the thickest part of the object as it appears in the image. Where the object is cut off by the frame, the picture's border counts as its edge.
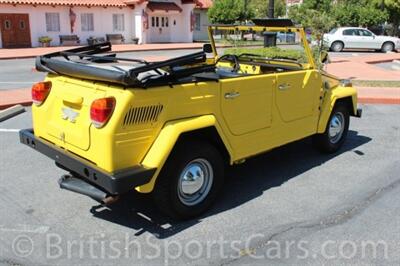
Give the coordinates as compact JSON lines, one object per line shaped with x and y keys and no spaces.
{"x":85,"y":63}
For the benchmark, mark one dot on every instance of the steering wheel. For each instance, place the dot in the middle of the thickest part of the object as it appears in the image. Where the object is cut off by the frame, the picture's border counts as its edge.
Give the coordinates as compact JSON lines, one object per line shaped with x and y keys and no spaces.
{"x":230,"y":58}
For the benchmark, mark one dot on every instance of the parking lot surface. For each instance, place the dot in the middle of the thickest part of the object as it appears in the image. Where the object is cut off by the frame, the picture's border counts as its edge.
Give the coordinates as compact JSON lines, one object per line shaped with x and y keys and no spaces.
{"x":290,"y":206}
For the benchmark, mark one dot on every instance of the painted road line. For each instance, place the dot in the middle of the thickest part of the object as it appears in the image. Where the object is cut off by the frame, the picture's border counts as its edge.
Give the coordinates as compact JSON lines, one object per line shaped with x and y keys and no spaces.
{"x":11,"y":112}
{"x":9,"y":130}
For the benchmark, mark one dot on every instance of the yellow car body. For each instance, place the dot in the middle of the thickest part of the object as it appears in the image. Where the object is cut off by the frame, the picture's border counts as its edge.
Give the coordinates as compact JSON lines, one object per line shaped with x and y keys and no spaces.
{"x":246,"y":115}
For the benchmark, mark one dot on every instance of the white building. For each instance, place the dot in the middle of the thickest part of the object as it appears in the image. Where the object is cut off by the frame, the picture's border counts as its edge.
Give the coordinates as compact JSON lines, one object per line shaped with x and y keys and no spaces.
{"x":200,"y":32}
{"x":22,"y":22}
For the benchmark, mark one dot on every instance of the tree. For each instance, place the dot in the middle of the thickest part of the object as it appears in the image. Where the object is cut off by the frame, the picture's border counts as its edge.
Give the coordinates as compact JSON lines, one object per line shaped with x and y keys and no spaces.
{"x":229,"y":11}
{"x":361,"y":14}
{"x":318,"y":21}
{"x":260,"y":8}
{"x":392,"y":7}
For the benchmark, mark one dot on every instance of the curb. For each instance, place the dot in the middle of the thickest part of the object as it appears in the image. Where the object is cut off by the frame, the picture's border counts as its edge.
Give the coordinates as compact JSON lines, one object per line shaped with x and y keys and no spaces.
{"x":11,"y":112}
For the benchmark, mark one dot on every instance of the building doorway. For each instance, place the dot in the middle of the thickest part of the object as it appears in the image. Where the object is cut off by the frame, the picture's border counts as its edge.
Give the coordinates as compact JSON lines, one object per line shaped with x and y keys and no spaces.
{"x":160,"y":29}
{"x":15,"y":30}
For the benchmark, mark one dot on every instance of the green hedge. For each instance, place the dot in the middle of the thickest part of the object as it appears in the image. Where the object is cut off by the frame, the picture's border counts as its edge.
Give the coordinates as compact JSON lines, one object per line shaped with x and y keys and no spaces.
{"x":269,"y":52}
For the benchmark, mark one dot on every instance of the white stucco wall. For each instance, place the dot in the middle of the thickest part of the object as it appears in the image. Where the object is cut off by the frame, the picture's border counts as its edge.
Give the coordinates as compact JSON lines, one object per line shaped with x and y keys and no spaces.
{"x":202,"y":34}
{"x":102,"y":21}
{"x":180,"y":32}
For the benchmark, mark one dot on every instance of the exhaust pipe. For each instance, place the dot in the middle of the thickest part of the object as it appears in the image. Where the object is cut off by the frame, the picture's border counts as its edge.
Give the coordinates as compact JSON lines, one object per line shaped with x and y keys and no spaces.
{"x":80,"y":186}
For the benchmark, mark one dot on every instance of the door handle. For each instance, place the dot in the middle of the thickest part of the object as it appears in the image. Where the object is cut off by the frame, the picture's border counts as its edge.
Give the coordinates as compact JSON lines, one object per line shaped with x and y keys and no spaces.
{"x":284,"y":86}
{"x":231,"y":95}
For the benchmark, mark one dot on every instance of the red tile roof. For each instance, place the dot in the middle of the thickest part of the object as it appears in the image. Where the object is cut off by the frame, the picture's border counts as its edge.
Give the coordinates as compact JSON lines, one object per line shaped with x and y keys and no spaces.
{"x":113,"y":3}
{"x":204,"y":4}
{"x":164,"y":6}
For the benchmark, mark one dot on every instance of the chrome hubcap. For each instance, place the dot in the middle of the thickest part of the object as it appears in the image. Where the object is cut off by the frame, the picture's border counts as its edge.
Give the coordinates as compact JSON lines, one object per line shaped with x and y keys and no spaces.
{"x":336,"y":127}
{"x":338,"y":47}
{"x":195,"y":182}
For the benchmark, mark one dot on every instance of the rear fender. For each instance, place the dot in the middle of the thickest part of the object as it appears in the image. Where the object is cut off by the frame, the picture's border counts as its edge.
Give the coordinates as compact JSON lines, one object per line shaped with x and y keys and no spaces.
{"x":168,"y":137}
{"x":331,"y":98}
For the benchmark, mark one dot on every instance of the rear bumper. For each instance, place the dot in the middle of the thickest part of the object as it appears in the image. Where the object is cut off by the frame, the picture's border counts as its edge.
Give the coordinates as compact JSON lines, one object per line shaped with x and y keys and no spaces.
{"x":112,"y":183}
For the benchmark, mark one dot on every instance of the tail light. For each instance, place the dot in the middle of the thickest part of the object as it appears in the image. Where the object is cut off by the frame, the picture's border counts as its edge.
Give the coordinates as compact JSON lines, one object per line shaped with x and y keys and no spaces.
{"x":101,"y":111}
{"x":40,"y":91}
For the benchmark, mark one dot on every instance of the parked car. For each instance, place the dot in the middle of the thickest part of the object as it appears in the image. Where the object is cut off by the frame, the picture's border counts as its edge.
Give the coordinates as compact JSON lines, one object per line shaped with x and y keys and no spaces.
{"x":359,"y":38}
{"x":170,"y":127}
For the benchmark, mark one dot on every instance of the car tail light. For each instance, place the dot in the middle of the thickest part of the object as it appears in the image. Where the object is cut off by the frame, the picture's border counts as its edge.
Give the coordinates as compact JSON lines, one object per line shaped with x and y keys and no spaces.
{"x":101,"y":111}
{"x":40,"y":91}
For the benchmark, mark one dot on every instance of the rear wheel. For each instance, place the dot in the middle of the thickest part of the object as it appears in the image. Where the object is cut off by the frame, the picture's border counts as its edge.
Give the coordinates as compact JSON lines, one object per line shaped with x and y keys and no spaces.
{"x":336,"y":130}
{"x":387,"y":47}
{"x":190,"y":180}
{"x":337,"y":46}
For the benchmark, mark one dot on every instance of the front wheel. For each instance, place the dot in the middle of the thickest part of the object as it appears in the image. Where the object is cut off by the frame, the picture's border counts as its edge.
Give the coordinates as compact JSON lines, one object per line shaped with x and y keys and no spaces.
{"x":190,"y":180}
{"x":336,"y":130}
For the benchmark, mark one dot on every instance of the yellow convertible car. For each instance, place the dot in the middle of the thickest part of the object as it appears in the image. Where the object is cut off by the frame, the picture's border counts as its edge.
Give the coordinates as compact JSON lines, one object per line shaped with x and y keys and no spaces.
{"x":171,"y":127}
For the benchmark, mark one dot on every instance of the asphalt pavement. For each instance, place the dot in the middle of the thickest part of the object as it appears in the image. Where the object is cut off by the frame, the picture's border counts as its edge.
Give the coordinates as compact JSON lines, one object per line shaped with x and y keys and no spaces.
{"x":290,"y":206}
{"x":20,"y":73}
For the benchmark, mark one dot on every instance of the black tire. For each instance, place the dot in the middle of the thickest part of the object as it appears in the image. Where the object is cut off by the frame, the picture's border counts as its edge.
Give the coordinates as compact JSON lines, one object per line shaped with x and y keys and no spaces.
{"x":337,"y":46}
{"x":167,"y":195}
{"x":387,"y":47}
{"x":325,"y":142}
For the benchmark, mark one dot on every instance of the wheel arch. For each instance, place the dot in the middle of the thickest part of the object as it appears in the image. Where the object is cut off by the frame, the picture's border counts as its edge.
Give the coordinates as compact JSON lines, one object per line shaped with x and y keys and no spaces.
{"x":332,"y":43}
{"x":339,"y":95}
{"x":173,"y":133}
{"x":385,"y":42}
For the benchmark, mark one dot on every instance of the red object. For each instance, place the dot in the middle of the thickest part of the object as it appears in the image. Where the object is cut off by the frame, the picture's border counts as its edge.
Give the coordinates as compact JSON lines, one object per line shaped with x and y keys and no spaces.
{"x":145,"y":20}
{"x":101,"y":111}
{"x":192,"y":21}
{"x":40,"y":91}
{"x":72,"y":19}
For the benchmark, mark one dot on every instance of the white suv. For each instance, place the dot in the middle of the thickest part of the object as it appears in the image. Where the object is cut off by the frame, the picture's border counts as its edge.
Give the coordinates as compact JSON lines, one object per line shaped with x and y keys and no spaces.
{"x":359,"y":38}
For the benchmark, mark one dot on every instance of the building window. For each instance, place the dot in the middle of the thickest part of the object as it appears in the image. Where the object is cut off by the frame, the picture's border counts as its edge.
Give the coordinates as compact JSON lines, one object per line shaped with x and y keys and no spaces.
{"x":7,"y":24}
{"x":197,"y":25}
{"x":118,"y":22}
{"x":22,"y":24}
{"x":52,"y":22}
{"x":87,"y":22}
{"x":153,"y":21}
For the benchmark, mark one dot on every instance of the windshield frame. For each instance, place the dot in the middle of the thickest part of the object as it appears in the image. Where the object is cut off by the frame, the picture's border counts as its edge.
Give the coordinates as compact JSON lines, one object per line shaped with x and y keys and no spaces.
{"x":300,"y":30}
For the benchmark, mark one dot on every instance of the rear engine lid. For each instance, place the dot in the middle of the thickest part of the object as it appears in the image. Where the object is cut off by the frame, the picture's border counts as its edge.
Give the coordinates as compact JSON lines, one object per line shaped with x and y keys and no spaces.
{"x":69,"y":112}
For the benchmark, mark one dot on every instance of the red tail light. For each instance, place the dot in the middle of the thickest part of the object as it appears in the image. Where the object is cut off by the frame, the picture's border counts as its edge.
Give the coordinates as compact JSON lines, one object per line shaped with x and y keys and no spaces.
{"x":40,"y":91}
{"x":101,"y":110}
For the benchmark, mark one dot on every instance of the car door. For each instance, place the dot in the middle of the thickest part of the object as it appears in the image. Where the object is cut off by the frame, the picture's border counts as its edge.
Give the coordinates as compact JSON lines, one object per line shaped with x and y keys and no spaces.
{"x":351,"y":38}
{"x":247,"y":103}
{"x":369,"y":40}
{"x":297,"y":95}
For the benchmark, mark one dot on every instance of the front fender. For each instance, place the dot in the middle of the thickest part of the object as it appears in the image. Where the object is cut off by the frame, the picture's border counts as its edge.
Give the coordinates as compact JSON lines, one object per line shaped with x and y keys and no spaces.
{"x":166,"y":140}
{"x":330,"y":99}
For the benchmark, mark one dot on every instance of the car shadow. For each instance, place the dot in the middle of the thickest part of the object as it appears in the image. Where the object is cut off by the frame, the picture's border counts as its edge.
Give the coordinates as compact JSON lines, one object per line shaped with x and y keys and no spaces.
{"x":243,"y":183}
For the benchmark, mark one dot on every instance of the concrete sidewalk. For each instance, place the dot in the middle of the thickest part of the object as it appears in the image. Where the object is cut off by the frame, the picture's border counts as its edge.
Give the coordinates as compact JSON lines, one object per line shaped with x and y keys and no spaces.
{"x":365,"y":95}
{"x":364,"y":67}
{"x":33,"y":52}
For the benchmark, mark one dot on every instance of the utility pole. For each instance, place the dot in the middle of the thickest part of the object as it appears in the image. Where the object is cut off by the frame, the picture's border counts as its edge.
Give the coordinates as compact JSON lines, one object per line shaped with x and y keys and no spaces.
{"x":271,"y":9}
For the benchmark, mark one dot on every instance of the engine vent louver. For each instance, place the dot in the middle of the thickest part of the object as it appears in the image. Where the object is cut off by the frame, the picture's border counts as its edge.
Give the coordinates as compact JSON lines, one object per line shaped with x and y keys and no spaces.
{"x":143,"y":114}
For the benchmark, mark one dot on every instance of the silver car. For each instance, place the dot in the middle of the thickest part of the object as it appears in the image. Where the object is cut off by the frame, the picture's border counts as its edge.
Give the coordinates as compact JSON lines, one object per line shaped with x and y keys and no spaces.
{"x":359,"y":38}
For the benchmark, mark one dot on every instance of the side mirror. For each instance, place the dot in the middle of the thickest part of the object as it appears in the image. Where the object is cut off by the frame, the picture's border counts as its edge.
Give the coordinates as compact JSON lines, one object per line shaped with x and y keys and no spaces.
{"x":207,"y":48}
{"x":324,"y":57}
